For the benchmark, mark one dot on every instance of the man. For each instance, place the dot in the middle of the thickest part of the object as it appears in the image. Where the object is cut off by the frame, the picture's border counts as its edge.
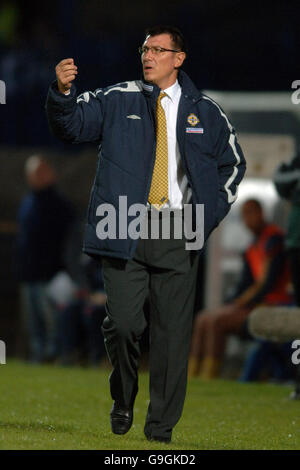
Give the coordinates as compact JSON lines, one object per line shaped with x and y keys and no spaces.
{"x":44,"y":220}
{"x":287,"y":183}
{"x":162,"y":144}
{"x":264,"y":279}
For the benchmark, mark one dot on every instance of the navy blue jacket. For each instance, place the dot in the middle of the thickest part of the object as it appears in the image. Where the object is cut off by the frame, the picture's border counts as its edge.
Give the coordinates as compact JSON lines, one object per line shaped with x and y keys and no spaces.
{"x":213,"y":160}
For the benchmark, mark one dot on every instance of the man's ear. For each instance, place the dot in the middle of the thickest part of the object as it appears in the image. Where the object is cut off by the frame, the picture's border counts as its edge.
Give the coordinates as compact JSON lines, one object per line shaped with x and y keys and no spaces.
{"x":180,"y":58}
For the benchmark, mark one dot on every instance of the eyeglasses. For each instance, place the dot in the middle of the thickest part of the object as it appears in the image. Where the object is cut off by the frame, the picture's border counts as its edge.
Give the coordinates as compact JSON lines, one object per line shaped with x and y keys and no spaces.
{"x":155,"y":50}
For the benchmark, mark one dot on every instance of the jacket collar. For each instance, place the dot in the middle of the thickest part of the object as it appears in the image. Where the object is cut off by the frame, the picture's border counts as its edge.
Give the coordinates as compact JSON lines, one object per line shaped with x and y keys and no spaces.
{"x":188,"y":88}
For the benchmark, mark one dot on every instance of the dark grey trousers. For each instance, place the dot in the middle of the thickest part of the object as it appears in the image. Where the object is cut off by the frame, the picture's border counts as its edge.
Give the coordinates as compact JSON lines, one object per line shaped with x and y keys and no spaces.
{"x":167,"y":272}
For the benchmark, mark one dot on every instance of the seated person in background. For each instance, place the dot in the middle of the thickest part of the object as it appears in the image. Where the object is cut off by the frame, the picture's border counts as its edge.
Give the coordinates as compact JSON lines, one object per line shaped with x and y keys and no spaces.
{"x":264,"y":280}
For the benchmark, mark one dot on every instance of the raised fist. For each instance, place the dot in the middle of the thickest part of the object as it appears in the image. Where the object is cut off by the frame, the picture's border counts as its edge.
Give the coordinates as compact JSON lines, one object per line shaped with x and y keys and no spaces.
{"x":66,"y":71}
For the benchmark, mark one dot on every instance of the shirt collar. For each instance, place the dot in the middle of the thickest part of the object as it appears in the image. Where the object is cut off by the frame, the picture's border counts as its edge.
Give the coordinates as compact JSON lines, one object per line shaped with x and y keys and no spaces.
{"x":185,"y":83}
{"x":172,"y":90}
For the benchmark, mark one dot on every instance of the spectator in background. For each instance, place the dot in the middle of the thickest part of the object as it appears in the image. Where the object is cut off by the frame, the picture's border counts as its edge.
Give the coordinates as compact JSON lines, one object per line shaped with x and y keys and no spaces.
{"x":44,"y":220}
{"x":264,"y":279}
{"x":81,"y":339}
{"x":287,"y":183}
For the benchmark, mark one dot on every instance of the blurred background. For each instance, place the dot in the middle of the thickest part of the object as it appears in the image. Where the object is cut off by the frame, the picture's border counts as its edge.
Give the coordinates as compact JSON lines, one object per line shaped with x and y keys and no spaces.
{"x":245,"y":55}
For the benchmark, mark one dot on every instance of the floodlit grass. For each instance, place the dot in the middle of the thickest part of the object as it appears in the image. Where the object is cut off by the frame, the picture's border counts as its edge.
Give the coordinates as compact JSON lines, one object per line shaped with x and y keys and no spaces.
{"x":48,"y":407}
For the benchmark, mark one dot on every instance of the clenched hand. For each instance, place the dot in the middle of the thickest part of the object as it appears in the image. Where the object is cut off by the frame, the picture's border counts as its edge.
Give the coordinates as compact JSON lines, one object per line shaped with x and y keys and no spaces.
{"x":66,"y":71}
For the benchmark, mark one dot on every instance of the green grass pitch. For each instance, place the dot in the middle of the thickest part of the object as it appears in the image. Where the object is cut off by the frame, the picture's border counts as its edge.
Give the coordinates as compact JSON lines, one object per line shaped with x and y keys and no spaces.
{"x":50,"y":407}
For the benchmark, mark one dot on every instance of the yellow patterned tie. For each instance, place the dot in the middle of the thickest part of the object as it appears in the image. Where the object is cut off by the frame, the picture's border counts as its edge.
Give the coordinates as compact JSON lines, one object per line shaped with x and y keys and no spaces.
{"x":159,"y":191}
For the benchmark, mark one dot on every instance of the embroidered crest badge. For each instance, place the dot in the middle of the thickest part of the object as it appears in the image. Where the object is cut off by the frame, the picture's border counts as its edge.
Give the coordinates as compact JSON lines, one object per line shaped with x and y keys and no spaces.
{"x":192,"y":119}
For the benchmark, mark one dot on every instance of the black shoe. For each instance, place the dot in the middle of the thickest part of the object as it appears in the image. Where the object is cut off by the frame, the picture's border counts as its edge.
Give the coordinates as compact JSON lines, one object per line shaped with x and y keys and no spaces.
{"x":165,"y":440}
{"x":121,"y":419}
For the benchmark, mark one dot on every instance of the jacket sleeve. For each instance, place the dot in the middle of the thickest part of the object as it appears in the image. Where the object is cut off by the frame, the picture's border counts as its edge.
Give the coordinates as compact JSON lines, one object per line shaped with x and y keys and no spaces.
{"x":287,"y":178}
{"x":231,"y":163}
{"x":75,"y":119}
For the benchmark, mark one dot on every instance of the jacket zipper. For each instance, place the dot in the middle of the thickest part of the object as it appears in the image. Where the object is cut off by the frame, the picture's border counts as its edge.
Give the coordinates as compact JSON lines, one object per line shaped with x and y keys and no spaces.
{"x":182,"y":148}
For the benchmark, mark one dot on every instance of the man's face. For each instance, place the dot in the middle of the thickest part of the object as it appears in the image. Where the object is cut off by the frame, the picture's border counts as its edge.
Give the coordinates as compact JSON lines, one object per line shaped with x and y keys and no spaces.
{"x":252,"y":216}
{"x":161,"y":68}
{"x":40,"y":175}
